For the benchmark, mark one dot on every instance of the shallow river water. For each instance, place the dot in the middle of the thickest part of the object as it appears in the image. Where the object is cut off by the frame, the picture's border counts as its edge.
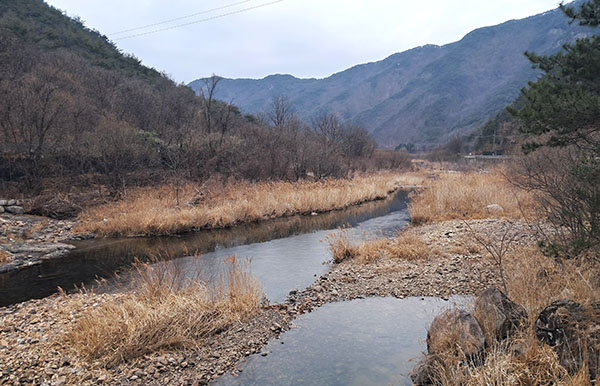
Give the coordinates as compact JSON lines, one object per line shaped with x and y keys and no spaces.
{"x":287,"y":253}
{"x":372,"y":341}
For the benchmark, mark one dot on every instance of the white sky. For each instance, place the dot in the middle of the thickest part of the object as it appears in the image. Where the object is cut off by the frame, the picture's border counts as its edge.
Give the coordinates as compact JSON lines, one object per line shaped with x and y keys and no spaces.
{"x":305,"y":38}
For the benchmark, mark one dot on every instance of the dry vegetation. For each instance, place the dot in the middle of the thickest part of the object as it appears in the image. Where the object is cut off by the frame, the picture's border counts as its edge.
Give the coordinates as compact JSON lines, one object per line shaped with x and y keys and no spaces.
{"x":531,"y":278}
{"x":406,"y":246}
{"x":467,"y":196}
{"x":167,"y":308}
{"x":166,"y":210}
{"x":533,"y":281}
{"x":5,"y":257}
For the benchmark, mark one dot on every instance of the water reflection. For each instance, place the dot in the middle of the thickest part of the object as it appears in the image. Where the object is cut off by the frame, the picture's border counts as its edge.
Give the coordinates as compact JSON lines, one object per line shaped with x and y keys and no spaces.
{"x":287,"y":253}
{"x":374,"y":341}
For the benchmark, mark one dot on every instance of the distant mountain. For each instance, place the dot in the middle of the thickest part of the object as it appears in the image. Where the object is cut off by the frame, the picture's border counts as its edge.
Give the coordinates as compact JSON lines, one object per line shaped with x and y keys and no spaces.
{"x":424,"y":95}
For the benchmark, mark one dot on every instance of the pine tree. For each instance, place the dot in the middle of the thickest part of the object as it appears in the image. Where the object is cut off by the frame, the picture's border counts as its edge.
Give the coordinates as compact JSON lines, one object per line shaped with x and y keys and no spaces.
{"x":565,"y":102}
{"x":562,"y":110}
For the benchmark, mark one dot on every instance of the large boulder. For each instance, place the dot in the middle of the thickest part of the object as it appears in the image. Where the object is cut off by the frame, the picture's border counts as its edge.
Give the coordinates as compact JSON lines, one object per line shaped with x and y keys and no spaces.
{"x":457,"y":333}
{"x":574,"y":332}
{"x":498,"y":314}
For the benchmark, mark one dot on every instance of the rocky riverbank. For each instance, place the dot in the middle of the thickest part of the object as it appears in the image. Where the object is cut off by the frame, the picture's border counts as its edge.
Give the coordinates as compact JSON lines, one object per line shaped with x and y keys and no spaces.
{"x":33,"y":349}
{"x":27,"y":240}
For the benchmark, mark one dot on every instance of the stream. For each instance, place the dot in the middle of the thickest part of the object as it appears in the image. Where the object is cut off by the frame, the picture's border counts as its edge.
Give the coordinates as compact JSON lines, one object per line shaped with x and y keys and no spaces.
{"x":372,"y":341}
{"x":286,"y":253}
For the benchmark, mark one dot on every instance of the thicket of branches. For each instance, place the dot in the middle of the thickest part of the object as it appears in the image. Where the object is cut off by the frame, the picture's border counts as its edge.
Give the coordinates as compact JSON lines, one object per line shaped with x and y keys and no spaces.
{"x":66,"y":111}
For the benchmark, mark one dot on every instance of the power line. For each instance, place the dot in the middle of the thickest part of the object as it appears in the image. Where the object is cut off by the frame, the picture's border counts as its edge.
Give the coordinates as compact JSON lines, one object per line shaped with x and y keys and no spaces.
{"x":180,"y":18}
{"x":200,"y":21}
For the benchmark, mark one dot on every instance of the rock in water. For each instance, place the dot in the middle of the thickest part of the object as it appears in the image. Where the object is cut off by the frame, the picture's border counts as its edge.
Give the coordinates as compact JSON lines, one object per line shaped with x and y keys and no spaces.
{"x":498,"y":313}
{"x":458,"y":333}
{"x":574,"y":332}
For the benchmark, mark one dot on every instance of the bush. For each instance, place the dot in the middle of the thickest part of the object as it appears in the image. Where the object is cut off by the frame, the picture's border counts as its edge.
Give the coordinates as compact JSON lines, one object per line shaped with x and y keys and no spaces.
{"x":566,"y":183}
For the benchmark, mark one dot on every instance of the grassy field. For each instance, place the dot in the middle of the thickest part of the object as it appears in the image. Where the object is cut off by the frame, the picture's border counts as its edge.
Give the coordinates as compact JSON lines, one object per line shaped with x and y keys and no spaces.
{"x":165,"y":210}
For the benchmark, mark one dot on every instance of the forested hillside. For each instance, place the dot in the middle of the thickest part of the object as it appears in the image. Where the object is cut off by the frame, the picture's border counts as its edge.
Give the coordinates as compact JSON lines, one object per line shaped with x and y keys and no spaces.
{"x":71,"y":104}
{"x":426,"y":95}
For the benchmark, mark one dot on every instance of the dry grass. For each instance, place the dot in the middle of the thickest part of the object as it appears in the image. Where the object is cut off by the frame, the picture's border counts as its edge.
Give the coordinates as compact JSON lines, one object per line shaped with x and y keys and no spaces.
{"x":409,"y":247}
{"x":467,"y":196}
{"x":5,"y":257}
{"x":155,"y":211}
{"x":167,"y":309}
{"x":534,"y":281}
{"x":538,"y":365}
{"x":406,"y":246}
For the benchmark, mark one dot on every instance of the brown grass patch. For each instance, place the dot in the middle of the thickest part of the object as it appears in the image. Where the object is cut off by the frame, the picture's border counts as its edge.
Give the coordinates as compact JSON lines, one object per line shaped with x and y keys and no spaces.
{"x":409,"y":247}
{"x":155,"y":211}
{"x":467,"y":196}
{"x":405,"y":246}
{"x":166,"y":309}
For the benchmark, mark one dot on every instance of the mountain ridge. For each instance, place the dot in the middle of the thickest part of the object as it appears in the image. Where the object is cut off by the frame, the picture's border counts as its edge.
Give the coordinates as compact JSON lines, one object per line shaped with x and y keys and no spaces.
{"x":423,"y":95}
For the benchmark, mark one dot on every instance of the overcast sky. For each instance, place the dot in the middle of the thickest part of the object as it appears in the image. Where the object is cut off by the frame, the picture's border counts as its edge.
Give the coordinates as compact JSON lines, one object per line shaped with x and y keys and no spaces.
{"x":305,"y":38}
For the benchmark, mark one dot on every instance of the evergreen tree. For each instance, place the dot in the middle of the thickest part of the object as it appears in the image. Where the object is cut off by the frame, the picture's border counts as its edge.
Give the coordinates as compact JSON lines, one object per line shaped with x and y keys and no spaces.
{"x":562,"y":110}
{"x":565,"y":102}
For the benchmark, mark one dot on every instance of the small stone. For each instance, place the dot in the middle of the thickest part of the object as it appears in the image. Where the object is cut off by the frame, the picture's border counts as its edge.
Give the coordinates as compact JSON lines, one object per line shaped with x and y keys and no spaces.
{"x":59,"y":382}
{"x":494,"y":208}
{"x":18,"y":210}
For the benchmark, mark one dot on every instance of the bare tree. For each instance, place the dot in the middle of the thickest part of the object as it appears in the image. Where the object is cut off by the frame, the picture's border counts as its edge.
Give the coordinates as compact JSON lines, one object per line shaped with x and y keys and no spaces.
{"x":280,"y":111}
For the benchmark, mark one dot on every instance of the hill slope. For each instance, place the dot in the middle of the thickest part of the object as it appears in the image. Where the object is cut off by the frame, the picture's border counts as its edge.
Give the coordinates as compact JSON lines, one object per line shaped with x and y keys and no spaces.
{"x":424,"y":95}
